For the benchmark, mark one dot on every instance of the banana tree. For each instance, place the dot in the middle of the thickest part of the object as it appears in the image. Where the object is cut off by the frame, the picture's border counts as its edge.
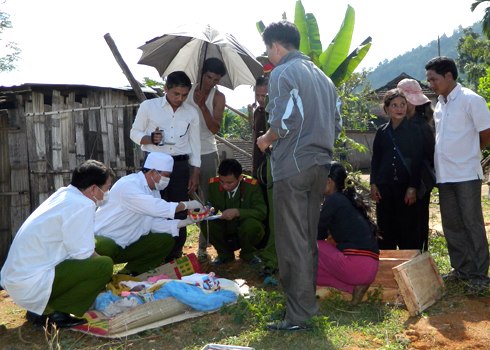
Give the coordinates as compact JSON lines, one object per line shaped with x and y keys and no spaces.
{"x":335,"y":61}
{"x":486,"y":17}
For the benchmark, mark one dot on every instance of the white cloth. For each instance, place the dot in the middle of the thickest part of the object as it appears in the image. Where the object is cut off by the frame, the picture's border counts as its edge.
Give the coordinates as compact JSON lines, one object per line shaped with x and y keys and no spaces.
{"x":61,"y":228}
{"x":208,"y":141}
{"x":458,"y":123}
{"x":133,"y":210}
{"x":180,"y":128}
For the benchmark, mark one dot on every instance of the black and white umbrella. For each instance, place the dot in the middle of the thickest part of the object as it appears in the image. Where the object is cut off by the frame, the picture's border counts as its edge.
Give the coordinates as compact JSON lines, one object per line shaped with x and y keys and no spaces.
{"x":187,"y":49}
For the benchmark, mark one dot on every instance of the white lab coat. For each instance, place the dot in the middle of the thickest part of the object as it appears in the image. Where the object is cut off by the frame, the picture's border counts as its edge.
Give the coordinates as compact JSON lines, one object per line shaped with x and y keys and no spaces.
{"x":61,"y":228}
{"x":133,"y":210}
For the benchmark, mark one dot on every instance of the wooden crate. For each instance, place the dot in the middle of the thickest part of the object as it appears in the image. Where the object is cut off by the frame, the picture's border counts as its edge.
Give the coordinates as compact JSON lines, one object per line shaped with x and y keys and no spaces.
{"x":385,"y":280}
{"x":419,"y":282}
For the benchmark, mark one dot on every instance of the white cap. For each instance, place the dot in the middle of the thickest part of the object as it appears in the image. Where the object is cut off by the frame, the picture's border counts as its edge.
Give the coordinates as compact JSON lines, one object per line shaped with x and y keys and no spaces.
{"x":159,"y":161}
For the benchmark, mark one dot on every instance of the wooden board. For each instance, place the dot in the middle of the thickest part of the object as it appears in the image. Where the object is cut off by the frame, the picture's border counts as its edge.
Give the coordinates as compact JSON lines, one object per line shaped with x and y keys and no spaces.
{"x":385,"y":280}
{"x":419,"y":282}
{"x":405,"y":254}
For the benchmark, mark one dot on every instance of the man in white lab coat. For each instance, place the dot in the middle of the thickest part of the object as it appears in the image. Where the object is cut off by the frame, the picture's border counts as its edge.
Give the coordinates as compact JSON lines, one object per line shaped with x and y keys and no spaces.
{"x":136,"y":225}
{"x":52,"y":269}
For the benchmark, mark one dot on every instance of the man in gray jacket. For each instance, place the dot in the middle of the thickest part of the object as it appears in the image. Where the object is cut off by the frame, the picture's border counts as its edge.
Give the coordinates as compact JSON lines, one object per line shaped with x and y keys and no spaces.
{"x":304,"y":123}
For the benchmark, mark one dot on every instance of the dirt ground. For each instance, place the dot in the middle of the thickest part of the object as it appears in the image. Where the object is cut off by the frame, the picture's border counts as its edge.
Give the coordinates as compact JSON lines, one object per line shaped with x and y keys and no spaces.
{"x":461,"y":322}
{"x":455,"y":323}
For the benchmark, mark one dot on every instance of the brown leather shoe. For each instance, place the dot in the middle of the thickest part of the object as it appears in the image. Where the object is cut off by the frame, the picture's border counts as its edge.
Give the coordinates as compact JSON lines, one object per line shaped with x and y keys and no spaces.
{"x":358,"y":293}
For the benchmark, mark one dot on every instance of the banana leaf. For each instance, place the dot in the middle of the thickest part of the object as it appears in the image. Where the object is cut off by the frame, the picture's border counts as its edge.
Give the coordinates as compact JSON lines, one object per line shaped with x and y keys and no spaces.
{"x":260,"y":27}
{"x":314,"y":36}
{"x":343,"y":72}
{"x":338,"y":49}
{"x":301,"y":24}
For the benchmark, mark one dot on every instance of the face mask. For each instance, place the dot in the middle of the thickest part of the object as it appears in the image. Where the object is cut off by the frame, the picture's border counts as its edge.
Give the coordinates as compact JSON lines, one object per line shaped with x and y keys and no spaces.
{"x":162,"y":184}
{"x":101,"y":202}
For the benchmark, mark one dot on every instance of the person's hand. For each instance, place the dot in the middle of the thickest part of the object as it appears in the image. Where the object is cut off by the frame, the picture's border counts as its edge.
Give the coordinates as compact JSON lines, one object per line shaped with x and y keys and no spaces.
{"x":200,"y":98}
{"x":410,"y":196}
{"x":156,"y":136}
{"x":375,"y":195}
{"x":331,"y":240}
{"x":193,"y":184}
{"x":262,"y":143}
{"x":191,"y":205}
{"x":230,"y":214}
{"x":251,"y":108}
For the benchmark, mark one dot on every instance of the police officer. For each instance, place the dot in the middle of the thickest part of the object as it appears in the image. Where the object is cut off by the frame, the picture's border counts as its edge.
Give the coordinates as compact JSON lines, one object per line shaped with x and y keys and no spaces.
{"x":243,"y":211}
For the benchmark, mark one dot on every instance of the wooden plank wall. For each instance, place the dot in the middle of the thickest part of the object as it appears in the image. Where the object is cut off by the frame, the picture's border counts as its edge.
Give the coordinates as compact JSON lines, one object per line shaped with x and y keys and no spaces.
{"x":43,"y":150}
{"x":55,"y":144}
{"x":73,"y":137}
{"x":20,"y":204}
{"x":5,"y":193}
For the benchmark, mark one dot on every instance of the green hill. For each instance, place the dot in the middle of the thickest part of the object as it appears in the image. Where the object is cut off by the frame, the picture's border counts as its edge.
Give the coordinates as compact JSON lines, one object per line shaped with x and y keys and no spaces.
{"x":413,"y":62}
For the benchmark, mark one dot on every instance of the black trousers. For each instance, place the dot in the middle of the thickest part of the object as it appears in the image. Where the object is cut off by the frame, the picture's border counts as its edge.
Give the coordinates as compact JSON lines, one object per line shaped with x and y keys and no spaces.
{"x":177,"y":191}
{"x":423,"y":220}
{"x":396,"y":220}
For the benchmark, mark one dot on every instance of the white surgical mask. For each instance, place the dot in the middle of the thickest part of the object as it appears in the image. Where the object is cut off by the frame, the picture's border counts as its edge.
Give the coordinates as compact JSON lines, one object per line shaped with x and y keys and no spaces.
{"x":162,"y":184}
{"x":101,"y":202}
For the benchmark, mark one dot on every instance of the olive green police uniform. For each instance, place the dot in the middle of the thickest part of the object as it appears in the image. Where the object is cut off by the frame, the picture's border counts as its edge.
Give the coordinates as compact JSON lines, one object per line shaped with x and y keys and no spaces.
{"x":244,"y":232}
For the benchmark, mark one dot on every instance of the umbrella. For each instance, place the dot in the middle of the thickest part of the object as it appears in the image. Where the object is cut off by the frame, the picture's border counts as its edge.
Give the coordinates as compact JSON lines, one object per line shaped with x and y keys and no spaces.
{"x":188,"y":48}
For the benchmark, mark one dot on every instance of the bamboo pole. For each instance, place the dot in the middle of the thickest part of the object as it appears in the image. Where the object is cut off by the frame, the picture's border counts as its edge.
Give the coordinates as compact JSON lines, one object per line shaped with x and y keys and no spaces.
{"x":134,"y":83}
{"x":236,"y":111}
{"x":95,"y":108}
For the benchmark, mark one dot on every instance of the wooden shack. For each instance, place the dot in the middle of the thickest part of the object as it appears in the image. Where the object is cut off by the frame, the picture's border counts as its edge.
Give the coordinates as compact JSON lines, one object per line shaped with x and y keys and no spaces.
{"x":47,"y":130}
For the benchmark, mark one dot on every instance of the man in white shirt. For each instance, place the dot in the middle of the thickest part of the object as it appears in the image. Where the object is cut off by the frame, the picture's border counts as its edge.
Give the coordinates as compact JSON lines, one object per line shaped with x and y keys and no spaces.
{"x":52,"y":269}
{"x":168,"y":125}
{"x":462,"y":122}
{"x":133,"y":227}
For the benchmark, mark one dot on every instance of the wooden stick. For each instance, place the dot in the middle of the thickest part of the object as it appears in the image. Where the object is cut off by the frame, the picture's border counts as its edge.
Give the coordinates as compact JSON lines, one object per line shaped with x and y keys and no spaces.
{"x":134,"y":83}
{"x":81,"y":109}
{"x":241,"y":114}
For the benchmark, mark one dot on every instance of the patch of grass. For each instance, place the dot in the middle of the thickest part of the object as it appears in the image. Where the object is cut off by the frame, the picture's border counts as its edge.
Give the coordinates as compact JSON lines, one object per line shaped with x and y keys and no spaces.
{"x":338,"y":326}
{"x":438,"y":251}
{"x":261,"y":307}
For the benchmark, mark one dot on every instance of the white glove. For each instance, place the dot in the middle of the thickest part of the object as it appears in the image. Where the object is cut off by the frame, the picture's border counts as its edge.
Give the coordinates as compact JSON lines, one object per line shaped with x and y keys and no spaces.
{"x":184,"y":223}
{"x":191,"y":205}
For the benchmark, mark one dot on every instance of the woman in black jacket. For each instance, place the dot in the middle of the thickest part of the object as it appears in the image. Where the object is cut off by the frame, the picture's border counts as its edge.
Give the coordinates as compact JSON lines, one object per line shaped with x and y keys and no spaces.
{"x":348,"y":259}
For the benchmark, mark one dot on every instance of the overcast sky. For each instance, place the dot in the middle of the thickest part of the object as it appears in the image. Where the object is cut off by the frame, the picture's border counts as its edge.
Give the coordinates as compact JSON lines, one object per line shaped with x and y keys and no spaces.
{"x":62,"y":41}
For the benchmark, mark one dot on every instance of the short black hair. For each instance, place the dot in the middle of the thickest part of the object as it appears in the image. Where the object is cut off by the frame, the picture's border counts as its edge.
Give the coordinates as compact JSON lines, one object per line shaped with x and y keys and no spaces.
{"x":442,"y":65}
{"x":230,"y":166}
{"x":214,"y":65}
{"x":284,"y":32}
{"x":178,"y":79}
{"x":261,"y":81}
{"x":91,"y":172}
